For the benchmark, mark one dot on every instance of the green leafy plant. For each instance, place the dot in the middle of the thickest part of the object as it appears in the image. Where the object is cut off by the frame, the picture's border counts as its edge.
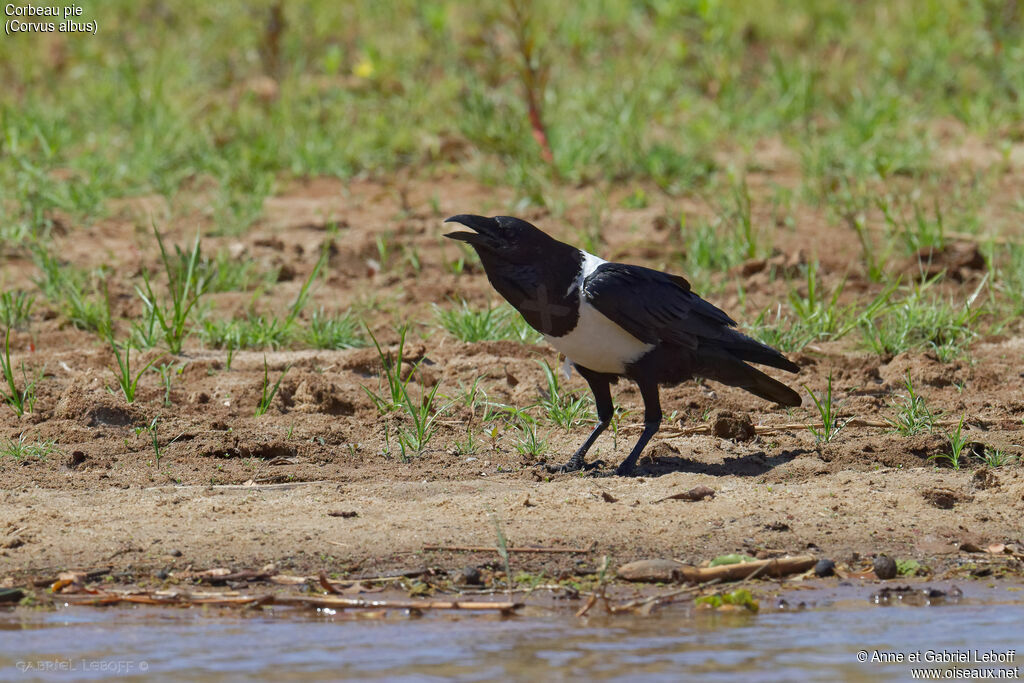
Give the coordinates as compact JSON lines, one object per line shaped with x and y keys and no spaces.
{"x":21,"y":400}
{"x":913,"y":415}
{"x":15,"y":308}
{"x":921,"y":320}
{"x":565,"y":409}
{"x":997,"y":457}
{"x":827,"y":412}
{"x":125,"y":379}
{"x":22,"y":450}
{"x":739,"y":598}
{"x":153,"y":428}
{"x":80,"y":295}
{"x":333,"y":332}
{"x":185,"y":285}
{"x":268,"y":392}
{"x":910,"y":568}
{"x":958,"y":442}
{"x":490,"y":324}
{"x":529,"y":442}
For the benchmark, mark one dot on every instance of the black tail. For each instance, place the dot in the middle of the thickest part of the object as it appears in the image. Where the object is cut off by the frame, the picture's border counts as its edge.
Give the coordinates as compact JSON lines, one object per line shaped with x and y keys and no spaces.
{"x":745,"y":348}
{"x":769,"y":389}
{"x":726,"y":368}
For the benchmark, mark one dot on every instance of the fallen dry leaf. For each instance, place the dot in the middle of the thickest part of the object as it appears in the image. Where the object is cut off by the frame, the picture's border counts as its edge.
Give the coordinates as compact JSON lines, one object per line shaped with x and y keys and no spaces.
{"x":693,"y":495}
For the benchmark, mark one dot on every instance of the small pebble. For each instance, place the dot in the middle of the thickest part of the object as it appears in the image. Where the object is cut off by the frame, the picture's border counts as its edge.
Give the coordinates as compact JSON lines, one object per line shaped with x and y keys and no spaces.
{"x":825,"y":568}
{"x":175,"y":553}
{"x":885,"y":567}
{"x":469,"y":576}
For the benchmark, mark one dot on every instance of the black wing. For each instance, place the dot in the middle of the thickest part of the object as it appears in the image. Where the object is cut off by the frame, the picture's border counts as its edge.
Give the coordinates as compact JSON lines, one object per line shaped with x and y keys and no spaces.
{"x":656,"y":307}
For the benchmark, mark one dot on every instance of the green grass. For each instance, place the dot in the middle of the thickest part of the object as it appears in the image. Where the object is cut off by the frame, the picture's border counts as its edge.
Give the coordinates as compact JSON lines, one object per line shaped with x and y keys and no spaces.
{"x":528,"y":442}
{"x":958,"y":451}
{"x":828,"y":413}
{"x":489,"y":324}
{"x":266,"y":331}
{"x":224,"y":273}
{"x":997,"y":457}
{"x":21,"y":450}
{"x":16,"y":308}
{"x":924,"y":320}
{"x":126,"y":380}
{"x":78,"y":294}
{"x":566,"y":409}
{"x":172,"y":95}
{"x":912,"y":413}
{"x":186,"y":283}
{"x":334,"y":331}
{"x":269,"y":391}
{"x":21,"y":400}
{"x":815,"y":315}
{"x":419,"y":413}
{"x":251,"y":332}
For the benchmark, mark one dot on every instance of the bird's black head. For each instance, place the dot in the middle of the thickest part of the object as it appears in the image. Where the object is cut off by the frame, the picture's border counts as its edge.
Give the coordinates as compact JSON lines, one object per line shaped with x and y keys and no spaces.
{"x":507,"y":238}
{"x":533,"y":271}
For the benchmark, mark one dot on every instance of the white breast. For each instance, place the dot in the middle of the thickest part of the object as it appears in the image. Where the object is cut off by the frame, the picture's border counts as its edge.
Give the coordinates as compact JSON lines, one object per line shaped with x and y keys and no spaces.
{"x":596,"y":342}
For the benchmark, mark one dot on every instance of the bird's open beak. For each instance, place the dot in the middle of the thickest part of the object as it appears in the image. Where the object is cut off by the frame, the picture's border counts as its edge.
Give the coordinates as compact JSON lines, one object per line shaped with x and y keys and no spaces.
{"x":484,"y":227}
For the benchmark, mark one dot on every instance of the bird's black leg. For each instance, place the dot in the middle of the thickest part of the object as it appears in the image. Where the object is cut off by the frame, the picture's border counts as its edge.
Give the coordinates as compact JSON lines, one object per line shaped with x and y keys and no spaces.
{"x":601,"y":388}
{"x":652,"y":422}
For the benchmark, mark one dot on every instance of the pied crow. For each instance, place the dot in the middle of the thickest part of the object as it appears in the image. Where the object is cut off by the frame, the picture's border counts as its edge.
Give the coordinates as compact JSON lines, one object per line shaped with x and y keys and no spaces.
{"x":615,"y":320}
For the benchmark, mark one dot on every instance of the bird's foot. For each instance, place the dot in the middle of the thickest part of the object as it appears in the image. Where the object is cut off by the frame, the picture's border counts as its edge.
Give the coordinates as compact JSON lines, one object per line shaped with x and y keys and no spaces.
{"x":574,"y":466}
{"x":624,"y":471}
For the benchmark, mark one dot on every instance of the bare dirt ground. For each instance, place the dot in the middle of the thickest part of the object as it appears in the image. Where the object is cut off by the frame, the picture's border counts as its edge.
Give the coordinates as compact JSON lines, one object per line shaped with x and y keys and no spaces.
{"x":308,"y":485}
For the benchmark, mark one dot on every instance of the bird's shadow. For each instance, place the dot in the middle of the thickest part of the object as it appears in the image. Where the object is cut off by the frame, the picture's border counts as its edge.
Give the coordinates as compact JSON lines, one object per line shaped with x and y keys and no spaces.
{"x":751,"y":465}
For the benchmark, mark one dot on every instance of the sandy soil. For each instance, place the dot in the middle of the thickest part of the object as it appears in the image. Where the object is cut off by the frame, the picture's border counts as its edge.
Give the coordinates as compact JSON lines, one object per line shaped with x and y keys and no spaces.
{"x":239,"y":491}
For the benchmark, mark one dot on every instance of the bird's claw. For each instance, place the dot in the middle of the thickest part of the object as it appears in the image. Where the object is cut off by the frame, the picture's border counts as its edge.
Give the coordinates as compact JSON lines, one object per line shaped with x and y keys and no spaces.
{"x":574,"y":466}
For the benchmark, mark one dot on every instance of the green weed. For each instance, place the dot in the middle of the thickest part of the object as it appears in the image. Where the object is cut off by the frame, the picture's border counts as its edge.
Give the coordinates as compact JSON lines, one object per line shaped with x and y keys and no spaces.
{"x":420,"y":412}
{"x":912,"y":413}
{"x":256,"y":331}
{"x":740,"y":597}
{"x":22,"y":400}
{"x":166,"y":370}
{"x":828,"y":413}
{"x":153,"y":429}
{"x":490,"y":324}
{"x":79,"y":295}
{"x":565,"y":409}
{"x":922,"y":320}
{"x":128,"y":382}
{"x":957,"y":446}
{"x":223,"y":273}
{"x":16,"y":308}
{"x":333,"y":332}
{"x":529,"y":443}
{"x":997,"y":457}
{"x":391,"y":369}
{"x":816,"y":316}
{"x":268,"y":392}
{"x":185,"y":285}
{"x":22,"y":450}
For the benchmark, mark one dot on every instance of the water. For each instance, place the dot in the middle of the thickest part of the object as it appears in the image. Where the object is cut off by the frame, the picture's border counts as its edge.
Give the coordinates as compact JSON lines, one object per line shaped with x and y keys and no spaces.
{"x":817,"y":644}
